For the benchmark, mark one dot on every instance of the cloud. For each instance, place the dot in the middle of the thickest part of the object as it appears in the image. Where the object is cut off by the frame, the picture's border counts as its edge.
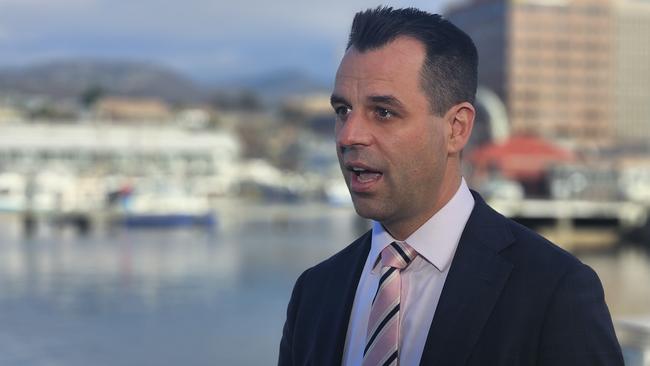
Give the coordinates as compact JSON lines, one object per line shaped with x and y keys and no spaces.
{"x":196,"y":19}
{"x":56,"y":3}
{"x":4,"y":35}
{"x":190,"y":34}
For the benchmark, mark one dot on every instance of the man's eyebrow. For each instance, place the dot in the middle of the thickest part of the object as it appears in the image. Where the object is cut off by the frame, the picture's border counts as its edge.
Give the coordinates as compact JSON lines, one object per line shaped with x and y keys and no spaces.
{"x":386,"y":99}
{"x":335,"y":99}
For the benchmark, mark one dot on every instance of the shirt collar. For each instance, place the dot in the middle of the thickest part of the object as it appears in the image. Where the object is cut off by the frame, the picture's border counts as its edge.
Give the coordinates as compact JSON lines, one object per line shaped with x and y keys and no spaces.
{"x":436,"y":240}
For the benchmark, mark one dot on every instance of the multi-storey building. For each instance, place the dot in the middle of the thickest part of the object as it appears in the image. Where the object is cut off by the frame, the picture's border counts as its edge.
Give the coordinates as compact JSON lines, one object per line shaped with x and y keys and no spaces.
{"x":632,"y":70}
{"x":575,"y":71}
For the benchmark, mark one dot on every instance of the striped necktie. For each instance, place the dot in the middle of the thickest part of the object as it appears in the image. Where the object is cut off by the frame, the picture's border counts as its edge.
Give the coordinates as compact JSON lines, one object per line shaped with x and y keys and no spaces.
{"x":382,"y":339}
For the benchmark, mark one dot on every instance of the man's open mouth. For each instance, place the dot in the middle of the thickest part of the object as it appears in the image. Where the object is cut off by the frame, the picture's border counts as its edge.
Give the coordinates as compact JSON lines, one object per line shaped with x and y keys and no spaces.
{"x":365,"y":175}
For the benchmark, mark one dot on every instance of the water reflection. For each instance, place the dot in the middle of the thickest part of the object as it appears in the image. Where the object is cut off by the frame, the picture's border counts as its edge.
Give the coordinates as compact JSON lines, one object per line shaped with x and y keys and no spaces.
{"x":624,"y":272}
{"x":145,"y":264}
{"x":191,"y":297}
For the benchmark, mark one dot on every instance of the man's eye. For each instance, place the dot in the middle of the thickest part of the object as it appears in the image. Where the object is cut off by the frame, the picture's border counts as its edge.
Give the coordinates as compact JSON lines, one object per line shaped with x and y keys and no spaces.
{"x":384,"y":113}
{"x":342,"y":111}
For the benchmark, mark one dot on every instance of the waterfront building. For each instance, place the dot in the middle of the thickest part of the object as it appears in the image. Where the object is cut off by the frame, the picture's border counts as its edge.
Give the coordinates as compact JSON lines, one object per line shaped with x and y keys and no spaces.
{"x":62,"y":161}
{"x":633,"y":70}
{"x":522,"y":159}
{"x":574,"y":71}
{"x":9,"y":114}
{"x":133,"y":109}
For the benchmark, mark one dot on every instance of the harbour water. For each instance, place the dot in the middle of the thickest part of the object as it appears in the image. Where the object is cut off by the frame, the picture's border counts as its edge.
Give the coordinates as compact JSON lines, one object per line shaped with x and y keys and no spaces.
{"x":195,"y":297}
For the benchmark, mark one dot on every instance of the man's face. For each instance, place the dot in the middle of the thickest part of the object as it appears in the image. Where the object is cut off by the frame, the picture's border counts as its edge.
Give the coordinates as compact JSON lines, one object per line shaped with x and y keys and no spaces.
{"x":391,"y":147}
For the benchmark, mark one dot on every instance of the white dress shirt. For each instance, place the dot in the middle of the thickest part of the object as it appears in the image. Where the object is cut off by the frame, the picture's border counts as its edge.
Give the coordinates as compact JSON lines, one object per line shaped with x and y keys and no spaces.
{"x":422,"y":281}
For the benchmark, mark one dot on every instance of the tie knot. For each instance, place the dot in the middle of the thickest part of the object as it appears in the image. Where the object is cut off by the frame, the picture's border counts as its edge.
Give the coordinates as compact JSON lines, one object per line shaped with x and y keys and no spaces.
{"x":397,"y":255}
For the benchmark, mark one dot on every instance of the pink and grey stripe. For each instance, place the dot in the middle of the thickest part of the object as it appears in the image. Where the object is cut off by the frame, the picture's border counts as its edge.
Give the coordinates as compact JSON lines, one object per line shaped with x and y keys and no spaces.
{"x":382,"y":340}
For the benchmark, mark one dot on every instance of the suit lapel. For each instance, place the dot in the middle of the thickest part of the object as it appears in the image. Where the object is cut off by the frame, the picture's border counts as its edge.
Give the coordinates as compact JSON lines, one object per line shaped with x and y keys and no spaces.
{"x":340,"y":289}
{"x":475,"y":280}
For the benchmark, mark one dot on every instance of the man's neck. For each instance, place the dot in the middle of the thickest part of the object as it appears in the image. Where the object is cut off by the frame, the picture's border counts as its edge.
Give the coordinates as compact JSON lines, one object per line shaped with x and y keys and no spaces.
{"x":403,"y":229}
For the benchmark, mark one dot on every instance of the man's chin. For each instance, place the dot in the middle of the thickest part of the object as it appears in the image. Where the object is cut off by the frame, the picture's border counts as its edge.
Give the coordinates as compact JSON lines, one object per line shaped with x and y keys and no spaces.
{"x":367,"y":210}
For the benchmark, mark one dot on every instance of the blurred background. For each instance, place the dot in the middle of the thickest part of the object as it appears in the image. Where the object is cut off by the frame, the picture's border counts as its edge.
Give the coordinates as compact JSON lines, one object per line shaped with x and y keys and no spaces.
{"x":167,"y":169}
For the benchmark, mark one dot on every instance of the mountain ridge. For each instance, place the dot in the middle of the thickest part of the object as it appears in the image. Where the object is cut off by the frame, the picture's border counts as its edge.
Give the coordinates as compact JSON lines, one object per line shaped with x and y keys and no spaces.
{"x":70,"y":78}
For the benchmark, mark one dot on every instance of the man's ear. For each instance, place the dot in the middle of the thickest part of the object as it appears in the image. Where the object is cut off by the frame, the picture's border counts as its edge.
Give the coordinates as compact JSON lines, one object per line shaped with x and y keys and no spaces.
{"x":461,"y":121}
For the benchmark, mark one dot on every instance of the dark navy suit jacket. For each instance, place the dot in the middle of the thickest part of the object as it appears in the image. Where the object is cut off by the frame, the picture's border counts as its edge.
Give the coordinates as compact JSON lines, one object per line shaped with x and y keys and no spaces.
{"x":510,"y":298}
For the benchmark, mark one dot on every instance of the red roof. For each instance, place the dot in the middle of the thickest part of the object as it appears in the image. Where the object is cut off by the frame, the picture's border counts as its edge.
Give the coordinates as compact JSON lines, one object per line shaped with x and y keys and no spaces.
{"x":520,"y":157}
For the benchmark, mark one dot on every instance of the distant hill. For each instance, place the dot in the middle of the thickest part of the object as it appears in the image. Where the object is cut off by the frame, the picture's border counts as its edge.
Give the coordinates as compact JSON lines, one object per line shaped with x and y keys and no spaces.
{"x":276,"y":85}
{"x":70,"y":78}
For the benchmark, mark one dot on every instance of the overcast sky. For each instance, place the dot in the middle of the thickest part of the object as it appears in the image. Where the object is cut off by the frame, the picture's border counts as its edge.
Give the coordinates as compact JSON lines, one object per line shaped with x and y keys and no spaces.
{"x":207,"y":39}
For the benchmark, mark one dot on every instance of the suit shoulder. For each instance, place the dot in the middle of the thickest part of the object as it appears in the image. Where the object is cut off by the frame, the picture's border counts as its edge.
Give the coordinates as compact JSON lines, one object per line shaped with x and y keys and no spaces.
{"x":516,"y":242}
{"x":538,"y":252}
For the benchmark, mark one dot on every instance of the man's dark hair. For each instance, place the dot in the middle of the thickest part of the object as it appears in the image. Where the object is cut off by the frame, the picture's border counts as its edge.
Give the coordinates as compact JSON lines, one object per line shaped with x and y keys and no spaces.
{"x":449,"y":73}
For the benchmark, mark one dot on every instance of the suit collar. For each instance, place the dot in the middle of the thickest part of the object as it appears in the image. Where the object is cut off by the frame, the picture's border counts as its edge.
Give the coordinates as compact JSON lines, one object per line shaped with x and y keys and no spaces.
{"x":476,"y":277}
{"x":340,"y":289}
{"x":488,"y":226}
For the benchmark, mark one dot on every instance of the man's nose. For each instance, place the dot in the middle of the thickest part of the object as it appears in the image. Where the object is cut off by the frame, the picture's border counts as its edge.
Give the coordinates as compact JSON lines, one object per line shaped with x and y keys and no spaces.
{"x":354,"y":131}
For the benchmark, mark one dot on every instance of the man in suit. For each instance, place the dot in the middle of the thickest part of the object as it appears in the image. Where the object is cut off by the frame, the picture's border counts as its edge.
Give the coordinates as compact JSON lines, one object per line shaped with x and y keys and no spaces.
{"x":471,"y":287}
